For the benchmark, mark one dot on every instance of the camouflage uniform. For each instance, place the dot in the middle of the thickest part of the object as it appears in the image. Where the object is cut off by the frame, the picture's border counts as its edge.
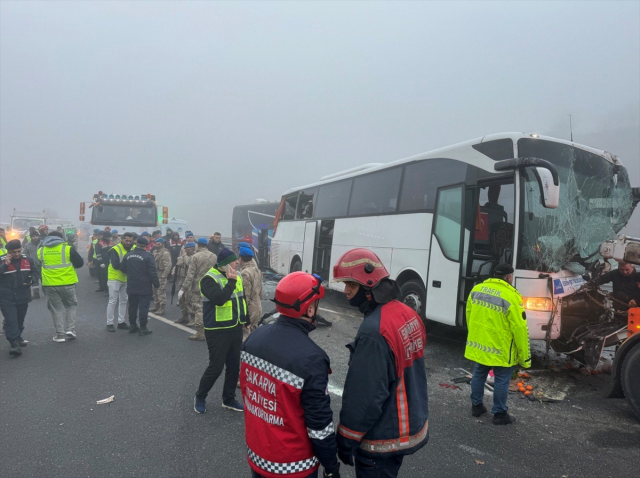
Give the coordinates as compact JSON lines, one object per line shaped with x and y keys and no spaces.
{"x":200,"y":263}
{"x":252,"y":284}
{"x":185,"y":301}
{"x":163,"y":265}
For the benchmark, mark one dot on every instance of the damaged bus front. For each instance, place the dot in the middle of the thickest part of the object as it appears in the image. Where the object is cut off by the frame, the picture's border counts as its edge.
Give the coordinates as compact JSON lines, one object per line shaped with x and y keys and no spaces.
{"x":558,"y":249}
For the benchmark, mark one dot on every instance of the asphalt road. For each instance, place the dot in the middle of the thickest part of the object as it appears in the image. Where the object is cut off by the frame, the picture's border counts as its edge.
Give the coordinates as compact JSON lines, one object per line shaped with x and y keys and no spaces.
{"x":51,"y":425}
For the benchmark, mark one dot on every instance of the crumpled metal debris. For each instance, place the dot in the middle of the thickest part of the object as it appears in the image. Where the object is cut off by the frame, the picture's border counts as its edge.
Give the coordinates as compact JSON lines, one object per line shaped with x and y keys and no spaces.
{"x":106,"y":400}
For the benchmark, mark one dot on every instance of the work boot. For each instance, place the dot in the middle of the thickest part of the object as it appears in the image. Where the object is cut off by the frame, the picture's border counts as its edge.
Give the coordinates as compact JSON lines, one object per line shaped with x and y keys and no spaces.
{"x":159,"y":311}
{"x":134,"y":329}
{"x":123,"y":326}
{"x":15,"y":349}
{"x":199,"y":335}
{"x":144,"y":331}
{"x":111,"y":328}
{"x":477,"y":410}
{"x":182,"y":320}
{"x":153,"y":311}
{"x":22,"y":342}
{"x":503,"y":419}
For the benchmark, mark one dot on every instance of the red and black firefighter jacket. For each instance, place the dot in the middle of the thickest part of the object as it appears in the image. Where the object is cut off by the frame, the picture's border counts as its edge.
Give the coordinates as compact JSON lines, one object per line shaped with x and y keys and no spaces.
{"x":384,"y":404}
{"x":288,"y":419}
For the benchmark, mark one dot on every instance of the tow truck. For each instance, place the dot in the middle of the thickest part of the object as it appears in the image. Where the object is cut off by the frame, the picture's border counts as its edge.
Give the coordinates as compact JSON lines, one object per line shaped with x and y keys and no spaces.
{"x":127,"y":212}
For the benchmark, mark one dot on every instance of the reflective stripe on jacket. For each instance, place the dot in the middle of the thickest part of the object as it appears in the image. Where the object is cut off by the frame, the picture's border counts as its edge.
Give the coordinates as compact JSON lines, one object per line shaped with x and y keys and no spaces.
{"x":57,"y":268}
{"x":232,"y":312}
{"x":498,"y":333}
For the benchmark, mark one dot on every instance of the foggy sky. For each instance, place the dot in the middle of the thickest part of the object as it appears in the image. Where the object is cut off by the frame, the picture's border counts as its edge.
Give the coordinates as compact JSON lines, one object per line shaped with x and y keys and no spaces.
{"x":210,"y":105}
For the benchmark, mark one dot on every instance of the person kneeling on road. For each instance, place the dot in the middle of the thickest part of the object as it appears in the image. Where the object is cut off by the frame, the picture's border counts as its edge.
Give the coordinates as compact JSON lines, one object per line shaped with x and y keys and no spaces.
{"x":498,"y":338}
{"x":140,"y":268}
{"x":297,"y":408}
{"x":225,"y":315}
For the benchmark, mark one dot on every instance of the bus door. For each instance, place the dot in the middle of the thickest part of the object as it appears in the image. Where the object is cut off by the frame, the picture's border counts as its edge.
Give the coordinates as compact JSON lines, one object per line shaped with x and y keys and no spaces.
{"x":445,"y":256}
{"x":309,"y":246}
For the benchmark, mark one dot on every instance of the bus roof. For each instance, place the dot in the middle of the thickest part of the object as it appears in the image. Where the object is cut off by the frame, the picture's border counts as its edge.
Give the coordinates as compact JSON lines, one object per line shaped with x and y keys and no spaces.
{"x":463,"y":151}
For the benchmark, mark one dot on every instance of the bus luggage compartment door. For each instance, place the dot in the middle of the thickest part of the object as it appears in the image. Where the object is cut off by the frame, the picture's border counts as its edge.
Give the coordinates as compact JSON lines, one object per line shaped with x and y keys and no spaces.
{"x":309,"y":245}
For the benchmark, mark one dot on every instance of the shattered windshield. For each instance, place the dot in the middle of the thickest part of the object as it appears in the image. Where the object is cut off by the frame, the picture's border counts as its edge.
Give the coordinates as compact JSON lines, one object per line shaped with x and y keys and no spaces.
{"x":595,"y":203}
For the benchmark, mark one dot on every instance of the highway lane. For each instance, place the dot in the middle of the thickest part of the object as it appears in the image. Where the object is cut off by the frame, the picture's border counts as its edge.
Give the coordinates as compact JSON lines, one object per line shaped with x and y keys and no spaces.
{"x":51,"y":425}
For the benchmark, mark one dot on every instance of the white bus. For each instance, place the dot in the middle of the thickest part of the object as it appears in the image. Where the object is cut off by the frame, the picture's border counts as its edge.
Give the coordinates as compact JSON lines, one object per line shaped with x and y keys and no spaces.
{"x":440,"y":221}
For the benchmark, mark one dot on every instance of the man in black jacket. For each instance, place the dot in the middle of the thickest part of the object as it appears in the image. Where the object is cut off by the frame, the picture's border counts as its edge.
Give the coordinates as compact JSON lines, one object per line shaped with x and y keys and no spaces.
{"x":16,"y":272}
{"x":215,"y":243}
{"x":140,"y":267}
{"x":626,"y":285}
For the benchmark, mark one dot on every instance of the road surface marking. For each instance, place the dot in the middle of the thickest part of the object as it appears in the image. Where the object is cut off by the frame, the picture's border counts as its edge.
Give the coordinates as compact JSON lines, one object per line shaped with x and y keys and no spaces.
{"x":171,"y":322}
{"x":335,"y":390}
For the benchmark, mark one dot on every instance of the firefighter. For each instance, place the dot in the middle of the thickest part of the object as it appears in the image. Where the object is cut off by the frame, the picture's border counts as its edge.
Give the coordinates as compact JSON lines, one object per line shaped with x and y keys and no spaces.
{"x":16,"y":272}
{"x":498,"y":339}
{"x":385,"y":409}
{"x":284,"y":379}
{"x":163,"y":266}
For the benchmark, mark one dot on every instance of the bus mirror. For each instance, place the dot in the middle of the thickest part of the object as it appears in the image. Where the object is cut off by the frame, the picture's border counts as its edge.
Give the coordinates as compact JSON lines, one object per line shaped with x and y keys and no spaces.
{"x":546,"y":174}
{"x":550,"y":192}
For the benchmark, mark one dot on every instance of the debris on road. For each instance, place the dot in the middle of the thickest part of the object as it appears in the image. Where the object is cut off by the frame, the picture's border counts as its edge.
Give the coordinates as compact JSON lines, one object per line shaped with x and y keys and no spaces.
{"x":106,"y":400}
{"x":478,"y":462}
{"x":447,"y":385}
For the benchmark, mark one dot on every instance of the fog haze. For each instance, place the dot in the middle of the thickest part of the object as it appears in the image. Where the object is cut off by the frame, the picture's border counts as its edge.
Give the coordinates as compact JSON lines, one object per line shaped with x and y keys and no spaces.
{"x":209,"y":105}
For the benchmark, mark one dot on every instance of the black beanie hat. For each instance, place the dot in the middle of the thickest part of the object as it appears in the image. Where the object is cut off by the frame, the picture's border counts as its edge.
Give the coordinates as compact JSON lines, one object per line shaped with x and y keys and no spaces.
{"x":13,"y":245}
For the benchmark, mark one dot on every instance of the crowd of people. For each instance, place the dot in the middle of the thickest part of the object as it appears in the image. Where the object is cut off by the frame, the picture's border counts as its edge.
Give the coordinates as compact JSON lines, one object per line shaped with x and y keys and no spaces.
{"x":282,"y":374}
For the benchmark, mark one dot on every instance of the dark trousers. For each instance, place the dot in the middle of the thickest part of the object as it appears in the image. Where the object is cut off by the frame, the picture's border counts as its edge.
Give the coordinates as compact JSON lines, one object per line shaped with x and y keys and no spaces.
{"x":139,"y":304}
{"x":378,"y":467}
{"x":224,"y":351}
{"x":14,"y":315}
{"x":258,"y":475}
{"x":103,"y":276}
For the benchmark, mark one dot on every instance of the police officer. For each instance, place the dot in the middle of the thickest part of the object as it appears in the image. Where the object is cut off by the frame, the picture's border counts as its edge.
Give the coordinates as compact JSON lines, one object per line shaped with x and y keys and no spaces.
{"x":16,"y":271}
{"x":59,"y":263}
{"x":182,"y":265}
{"x":295,"y":407}
{"x":163,"y":266}
{"x":200,"y":264}
{"x":225,"y":314}
{"x":117,"y":282}
{"x":252,"y":283}
{"x":498,"y":339}
{"x":385,"y":410}
{"x":140,"y":267}
{"x":115,"y":237}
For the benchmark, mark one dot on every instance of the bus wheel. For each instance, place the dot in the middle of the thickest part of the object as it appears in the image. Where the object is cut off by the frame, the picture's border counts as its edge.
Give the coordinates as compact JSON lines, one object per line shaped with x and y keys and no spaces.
{"x":413,"y":295}
{"x":296,"y":265}
{"x":629,"y":379}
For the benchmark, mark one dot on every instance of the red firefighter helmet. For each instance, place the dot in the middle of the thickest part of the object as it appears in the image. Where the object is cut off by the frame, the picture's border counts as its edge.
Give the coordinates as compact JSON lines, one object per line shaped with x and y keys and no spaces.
{"x":296,"y":292}
{"x":361,"y":266}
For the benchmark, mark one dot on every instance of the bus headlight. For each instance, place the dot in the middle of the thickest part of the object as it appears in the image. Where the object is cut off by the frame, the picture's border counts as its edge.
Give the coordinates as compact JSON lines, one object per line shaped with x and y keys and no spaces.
{"x":541,"y":304}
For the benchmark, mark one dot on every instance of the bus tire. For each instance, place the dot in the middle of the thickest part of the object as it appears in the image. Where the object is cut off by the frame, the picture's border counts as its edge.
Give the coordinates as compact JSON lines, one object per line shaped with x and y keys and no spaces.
{"x":629,"y":379}
{"x":413,"y":295}
{"x":296,"y":265}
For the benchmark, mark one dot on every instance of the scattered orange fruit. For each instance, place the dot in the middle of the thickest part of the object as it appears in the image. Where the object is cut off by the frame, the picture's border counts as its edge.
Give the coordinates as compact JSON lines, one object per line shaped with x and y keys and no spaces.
{"x":526,"y":375}
{"x":527,"y":392}
{"x":520,"y":384}
{"x":529,"y":387}
{"x":521,"y":389}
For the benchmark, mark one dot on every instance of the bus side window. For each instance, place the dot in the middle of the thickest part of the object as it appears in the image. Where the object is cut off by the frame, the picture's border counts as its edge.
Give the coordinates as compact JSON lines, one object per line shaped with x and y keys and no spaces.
{"x":289,"y":211}
{"x":305,"y":204}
